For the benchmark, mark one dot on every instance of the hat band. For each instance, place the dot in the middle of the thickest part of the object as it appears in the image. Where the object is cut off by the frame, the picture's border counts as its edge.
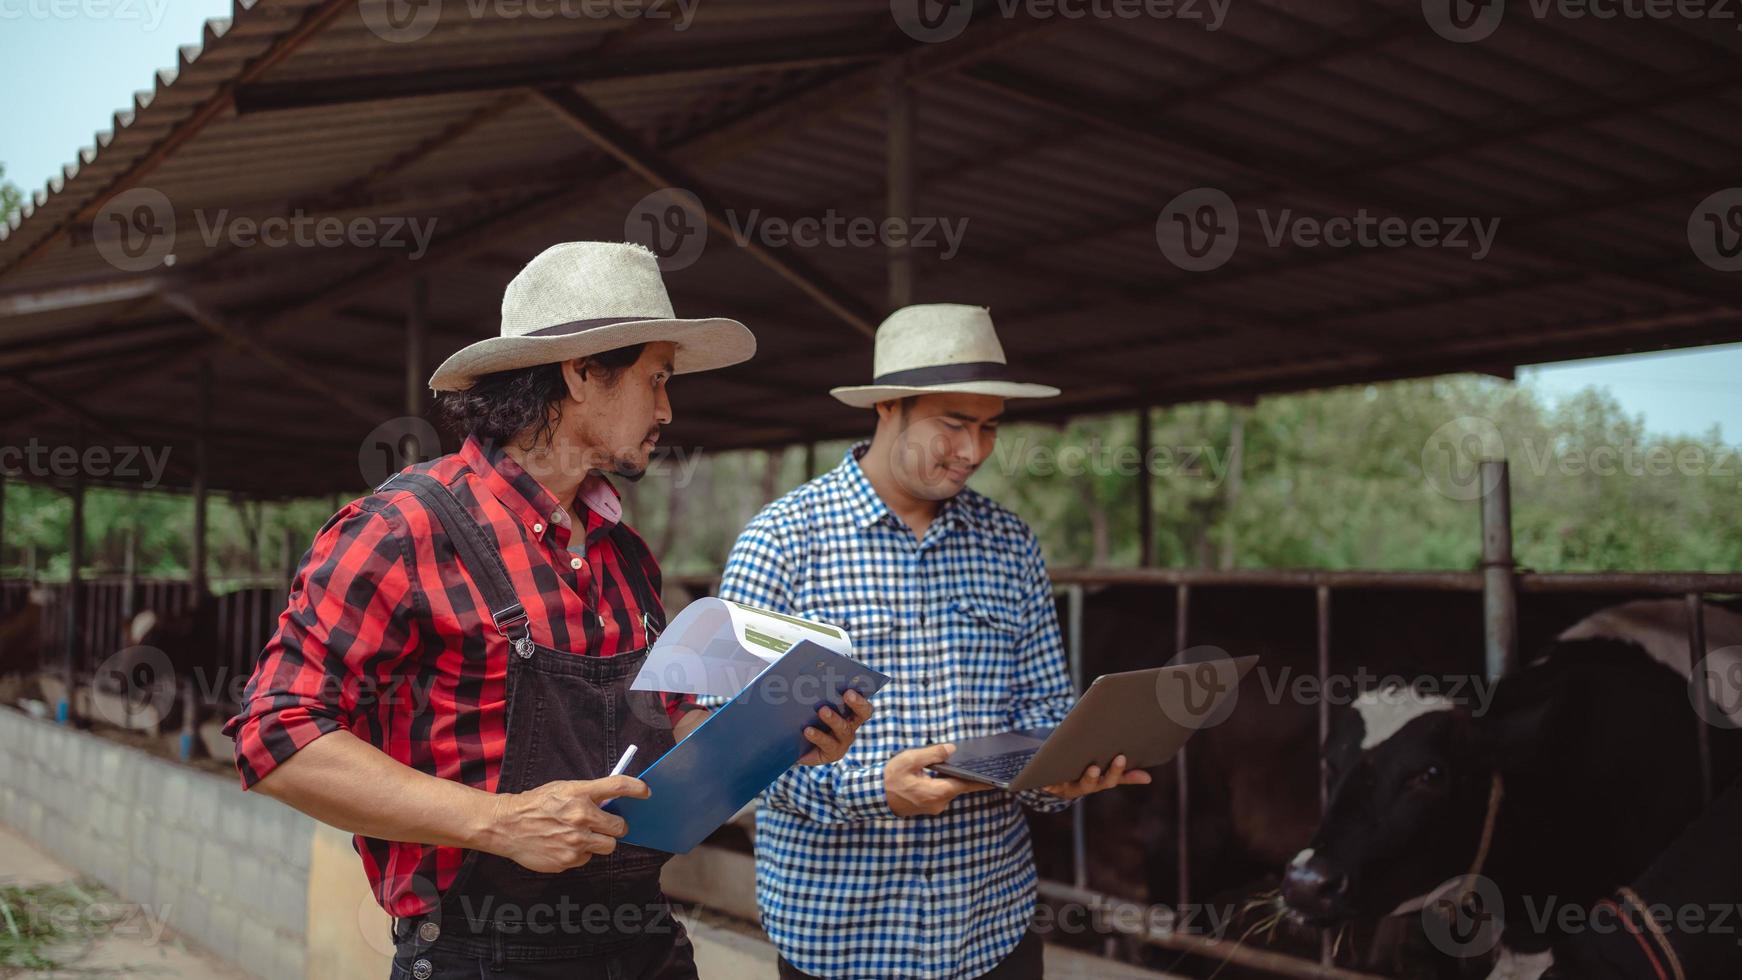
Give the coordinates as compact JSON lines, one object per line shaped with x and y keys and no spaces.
{"x":579,"y":326}
{"x":938,"y":374}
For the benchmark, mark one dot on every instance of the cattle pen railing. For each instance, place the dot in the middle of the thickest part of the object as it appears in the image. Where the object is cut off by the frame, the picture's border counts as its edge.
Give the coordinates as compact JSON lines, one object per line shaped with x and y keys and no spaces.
{"x":1497,"y":580}
{"x":80,"y":629}
{"x":1073,"y":585}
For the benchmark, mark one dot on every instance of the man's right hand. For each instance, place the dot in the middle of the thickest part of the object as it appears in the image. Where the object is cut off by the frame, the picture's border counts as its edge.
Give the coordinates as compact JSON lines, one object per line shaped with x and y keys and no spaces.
{"x":560,"y":825}
{"x":912,"y":791}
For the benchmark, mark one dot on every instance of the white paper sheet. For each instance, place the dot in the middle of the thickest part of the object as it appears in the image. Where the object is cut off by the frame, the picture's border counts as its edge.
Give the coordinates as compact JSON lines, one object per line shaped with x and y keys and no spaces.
{"x":715,"y":647}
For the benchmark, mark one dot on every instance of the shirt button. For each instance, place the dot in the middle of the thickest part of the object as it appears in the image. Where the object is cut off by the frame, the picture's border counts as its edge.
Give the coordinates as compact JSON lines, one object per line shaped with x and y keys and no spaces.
{"x":556,"y":517}
{"x":429,"y":932}
{"x":576,"y":563}
{"x":538,"y":529}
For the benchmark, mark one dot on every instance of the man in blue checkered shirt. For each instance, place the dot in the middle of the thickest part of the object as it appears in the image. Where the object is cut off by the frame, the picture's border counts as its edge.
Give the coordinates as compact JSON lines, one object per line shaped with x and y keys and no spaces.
{"x":871,"y":867}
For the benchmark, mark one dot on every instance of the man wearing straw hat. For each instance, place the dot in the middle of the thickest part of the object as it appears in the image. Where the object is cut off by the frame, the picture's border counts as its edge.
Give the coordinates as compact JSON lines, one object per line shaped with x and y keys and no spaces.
{"x":871,"y":867}
{"x":451,"y":679}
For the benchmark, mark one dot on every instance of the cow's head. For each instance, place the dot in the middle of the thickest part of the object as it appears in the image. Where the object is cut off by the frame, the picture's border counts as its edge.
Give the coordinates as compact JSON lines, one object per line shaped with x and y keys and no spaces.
{"x":1409,"y":778}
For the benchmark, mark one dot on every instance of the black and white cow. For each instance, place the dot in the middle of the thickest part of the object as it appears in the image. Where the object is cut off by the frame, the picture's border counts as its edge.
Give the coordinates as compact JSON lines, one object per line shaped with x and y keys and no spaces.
{"x":1682,"y":918}
{"x":1581,"y":770}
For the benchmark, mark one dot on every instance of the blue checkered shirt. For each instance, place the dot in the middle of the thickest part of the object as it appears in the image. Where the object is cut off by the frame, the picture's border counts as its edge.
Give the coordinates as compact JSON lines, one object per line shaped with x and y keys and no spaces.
{"x":965,"y":625}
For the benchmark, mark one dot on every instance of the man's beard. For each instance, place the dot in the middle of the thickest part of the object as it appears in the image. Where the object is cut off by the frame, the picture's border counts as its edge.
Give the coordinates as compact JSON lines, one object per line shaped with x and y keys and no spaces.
{"x":628,"y":469}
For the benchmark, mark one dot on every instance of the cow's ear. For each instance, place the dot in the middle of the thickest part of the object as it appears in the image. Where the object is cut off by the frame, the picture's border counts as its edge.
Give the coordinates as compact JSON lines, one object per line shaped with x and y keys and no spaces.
{"x":1518,"y":737}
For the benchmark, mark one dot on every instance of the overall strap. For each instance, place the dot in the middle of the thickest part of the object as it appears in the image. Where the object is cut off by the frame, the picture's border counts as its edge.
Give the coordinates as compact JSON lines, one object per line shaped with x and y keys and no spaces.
{"x":635,"y":555}
{"x":477,"y":553}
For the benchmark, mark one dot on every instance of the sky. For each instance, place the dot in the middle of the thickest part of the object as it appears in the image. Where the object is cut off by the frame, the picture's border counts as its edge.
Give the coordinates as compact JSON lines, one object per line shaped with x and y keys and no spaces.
{"x":60,"y":95}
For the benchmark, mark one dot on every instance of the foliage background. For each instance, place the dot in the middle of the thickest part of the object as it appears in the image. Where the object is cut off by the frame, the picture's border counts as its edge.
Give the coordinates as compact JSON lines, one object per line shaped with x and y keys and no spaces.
{"x":1327,"y":479}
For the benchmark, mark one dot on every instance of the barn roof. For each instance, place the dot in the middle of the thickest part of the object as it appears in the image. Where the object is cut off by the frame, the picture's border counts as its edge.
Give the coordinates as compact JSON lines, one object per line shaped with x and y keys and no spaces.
{"x":1064,"y":143}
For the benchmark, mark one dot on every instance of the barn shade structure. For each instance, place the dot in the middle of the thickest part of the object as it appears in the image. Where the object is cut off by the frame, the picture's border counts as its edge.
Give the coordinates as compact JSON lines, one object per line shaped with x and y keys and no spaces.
{"x":139,"y":307}
{"x":1051,"y":143}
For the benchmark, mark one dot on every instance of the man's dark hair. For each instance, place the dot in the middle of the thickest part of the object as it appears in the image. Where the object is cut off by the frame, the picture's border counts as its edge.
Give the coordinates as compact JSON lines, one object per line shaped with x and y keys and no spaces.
{"x":502,"y":405}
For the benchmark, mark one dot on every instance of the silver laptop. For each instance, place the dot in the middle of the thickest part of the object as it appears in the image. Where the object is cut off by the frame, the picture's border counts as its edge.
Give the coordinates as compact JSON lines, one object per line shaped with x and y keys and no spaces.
{"x":1145,"y":715}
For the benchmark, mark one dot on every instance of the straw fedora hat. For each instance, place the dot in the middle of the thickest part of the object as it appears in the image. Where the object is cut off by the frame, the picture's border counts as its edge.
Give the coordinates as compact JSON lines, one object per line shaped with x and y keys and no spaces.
{"x":582,"y":298}
{"x":938,"y":347}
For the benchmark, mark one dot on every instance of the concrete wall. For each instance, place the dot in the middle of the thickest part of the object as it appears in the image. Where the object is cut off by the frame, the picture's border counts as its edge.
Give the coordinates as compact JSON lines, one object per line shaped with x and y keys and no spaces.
{"x":227,"y":869}
{"x":276,"y":893}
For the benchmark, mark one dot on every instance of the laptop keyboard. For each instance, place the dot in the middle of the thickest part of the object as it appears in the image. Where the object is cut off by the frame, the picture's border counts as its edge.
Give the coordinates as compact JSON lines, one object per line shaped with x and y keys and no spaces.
{"x":1002,"y":768}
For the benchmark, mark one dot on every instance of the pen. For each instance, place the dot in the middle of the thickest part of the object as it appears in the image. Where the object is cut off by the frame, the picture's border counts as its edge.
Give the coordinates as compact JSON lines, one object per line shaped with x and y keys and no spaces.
{"x":623,"y":763}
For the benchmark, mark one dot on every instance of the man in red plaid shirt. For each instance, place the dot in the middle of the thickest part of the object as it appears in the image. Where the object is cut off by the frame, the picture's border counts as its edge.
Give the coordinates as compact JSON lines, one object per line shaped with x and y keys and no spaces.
{"x":451,"y":679}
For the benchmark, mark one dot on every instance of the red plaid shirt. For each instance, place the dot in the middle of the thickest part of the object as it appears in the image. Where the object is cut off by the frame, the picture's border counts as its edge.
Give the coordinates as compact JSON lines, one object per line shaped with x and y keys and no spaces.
{"x":393,"y":643}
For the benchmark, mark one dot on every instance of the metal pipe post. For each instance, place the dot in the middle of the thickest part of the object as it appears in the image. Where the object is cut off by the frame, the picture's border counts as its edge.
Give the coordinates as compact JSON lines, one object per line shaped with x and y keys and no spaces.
{"x":1499,"y":585}
{"x":1182,"y":600}
{"x":1703,"y":691}
{"x":1074,"y":649}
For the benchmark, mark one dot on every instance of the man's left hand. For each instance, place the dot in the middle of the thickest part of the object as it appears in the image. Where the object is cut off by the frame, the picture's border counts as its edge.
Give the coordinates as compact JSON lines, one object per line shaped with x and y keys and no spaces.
{"x":1094,"y":780}
{"x":831,"y":746}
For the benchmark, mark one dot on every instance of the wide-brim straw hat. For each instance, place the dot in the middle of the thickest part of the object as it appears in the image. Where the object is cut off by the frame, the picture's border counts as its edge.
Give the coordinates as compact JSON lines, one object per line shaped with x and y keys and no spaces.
{"x":582,"y":298}
{"x":938,"y":347}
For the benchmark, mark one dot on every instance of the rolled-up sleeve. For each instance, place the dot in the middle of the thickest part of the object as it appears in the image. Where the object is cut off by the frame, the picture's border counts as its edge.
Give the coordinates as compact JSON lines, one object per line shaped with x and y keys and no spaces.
{"x":347,"y":625}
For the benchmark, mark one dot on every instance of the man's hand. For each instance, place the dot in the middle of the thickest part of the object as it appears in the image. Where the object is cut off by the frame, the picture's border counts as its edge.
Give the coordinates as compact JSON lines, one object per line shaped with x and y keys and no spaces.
{"x":831,"y":746}
{"x":559,"y":825}
{"x":913,"y":791}
{"x":1094,"y":781}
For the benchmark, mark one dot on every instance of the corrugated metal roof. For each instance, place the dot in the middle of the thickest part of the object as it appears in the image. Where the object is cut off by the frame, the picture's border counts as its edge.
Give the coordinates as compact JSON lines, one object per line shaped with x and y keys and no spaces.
{"x":1056,"y":143}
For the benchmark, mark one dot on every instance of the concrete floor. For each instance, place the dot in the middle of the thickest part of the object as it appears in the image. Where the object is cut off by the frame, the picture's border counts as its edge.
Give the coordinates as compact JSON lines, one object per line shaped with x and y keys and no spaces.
{"x":133,"y":947}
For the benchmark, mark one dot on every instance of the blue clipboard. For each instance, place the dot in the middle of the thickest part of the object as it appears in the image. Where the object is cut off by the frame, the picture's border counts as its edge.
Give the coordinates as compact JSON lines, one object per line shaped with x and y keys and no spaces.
{"x":741,"y":748}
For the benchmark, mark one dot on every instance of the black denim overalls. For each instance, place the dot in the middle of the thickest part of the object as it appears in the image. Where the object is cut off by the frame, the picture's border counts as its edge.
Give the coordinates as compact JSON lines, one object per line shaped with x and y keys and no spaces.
{"x":569,"y":717}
